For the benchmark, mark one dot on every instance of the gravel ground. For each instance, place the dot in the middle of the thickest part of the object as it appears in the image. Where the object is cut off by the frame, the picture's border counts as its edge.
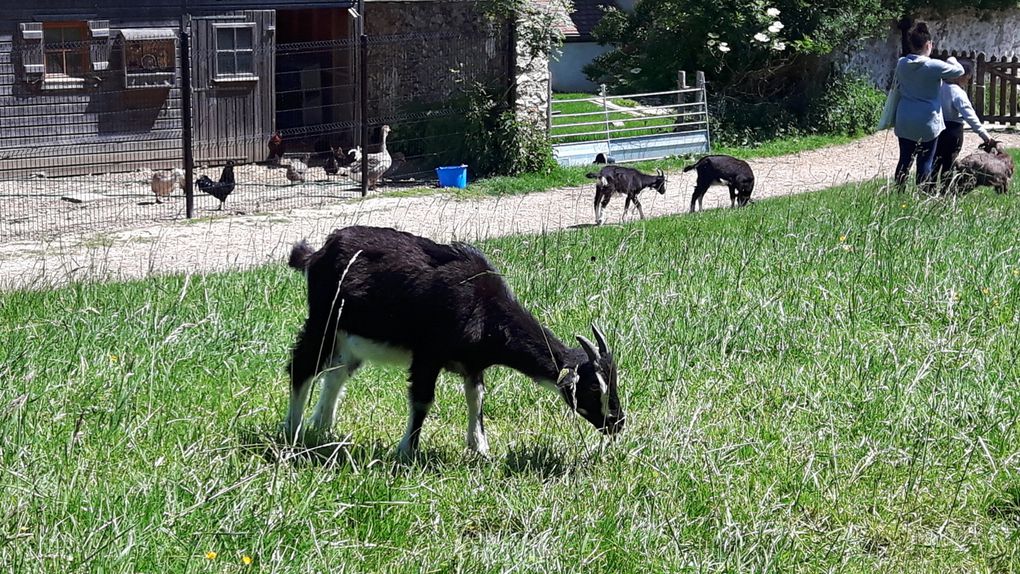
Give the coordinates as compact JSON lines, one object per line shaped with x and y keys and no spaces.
{"x":245,"y":240}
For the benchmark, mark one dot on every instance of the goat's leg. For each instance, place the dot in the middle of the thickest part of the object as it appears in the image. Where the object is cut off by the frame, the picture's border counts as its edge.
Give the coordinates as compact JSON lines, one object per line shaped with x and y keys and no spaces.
{"x":474,"y":392}
{"x":342,"y":367}
{"x":733,"y":196}
{"x":420,"y":394}
{"x":699,"y":191}
{"x":626,"y":207}
{"x":306,"y":357}
{"x":598,"y":207}
{"x":637,"y":204}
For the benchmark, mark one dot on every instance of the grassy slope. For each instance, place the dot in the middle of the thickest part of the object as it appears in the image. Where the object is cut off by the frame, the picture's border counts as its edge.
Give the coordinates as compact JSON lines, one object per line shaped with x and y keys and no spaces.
{"x":817,"y":382}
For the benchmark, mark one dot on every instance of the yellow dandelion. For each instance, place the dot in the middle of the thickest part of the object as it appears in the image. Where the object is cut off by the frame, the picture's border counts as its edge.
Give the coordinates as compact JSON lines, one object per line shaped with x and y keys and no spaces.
{"x":246,"y":560}
{"x":210,"y":555}
{"x":903,"y":205}
{"x":114,"y":358}
{"x":23,"y":529}
{"x":1016,"y":273}
{"x":842,"y":238}
{"x":986,"y":291}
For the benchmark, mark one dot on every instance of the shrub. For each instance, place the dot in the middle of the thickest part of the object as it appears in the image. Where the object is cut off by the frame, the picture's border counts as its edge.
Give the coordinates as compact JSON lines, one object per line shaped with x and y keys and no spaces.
{"x":848,"y":105}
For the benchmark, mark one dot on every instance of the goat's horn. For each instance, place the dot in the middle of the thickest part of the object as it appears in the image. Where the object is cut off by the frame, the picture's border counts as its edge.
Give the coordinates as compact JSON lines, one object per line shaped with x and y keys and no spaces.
{"x":601,"y":339}
{"x":589,"y":348}
{"x":659,"y":171}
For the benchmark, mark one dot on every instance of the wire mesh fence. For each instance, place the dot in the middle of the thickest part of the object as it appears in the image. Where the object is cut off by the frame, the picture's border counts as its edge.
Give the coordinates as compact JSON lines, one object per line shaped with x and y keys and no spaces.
{"x":278,"y":118}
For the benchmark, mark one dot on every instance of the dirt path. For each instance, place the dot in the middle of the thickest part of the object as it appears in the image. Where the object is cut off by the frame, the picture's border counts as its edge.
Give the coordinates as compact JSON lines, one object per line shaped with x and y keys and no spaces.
{"x":238,"y":242}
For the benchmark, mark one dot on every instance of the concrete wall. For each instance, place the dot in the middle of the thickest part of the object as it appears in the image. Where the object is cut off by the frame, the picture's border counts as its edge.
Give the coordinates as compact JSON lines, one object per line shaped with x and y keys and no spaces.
{"x":994,"y":33}
{"x":567,"y":65}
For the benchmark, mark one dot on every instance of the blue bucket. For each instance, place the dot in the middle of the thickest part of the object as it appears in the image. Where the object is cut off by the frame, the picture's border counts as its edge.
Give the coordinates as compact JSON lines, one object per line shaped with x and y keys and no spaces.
{"x":454,"y":176}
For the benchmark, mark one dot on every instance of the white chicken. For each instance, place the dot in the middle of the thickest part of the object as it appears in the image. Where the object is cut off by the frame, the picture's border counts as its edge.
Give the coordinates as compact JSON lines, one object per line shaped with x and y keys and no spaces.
{"x":163,"y":182}
{"x":297,"y":168}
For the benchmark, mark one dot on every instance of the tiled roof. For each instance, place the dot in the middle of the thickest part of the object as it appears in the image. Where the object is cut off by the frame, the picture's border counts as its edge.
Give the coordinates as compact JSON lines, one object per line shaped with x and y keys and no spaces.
{"x":579,"y":23}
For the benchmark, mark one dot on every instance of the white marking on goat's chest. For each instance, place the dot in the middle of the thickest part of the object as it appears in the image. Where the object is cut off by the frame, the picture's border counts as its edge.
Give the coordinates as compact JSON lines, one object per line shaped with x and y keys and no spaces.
{"x":373,"y":351}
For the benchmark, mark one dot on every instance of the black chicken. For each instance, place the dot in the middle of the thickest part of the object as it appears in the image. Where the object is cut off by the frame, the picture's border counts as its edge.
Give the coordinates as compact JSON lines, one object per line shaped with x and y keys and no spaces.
{"x":331,"y":167}
{"x":219,"y":189}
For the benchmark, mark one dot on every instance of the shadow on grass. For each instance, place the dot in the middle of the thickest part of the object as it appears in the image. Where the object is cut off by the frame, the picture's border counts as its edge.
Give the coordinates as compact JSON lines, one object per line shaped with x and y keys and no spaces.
{"x":541,"y":461}
{"x":334,"y":453}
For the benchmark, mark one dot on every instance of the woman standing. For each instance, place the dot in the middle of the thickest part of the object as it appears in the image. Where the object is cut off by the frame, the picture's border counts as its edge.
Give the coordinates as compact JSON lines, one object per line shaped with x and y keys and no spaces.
{"x":914,"y":103}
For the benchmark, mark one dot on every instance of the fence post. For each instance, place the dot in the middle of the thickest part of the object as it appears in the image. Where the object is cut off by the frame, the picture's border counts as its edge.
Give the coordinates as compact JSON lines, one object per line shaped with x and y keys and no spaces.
{"x":186,"y":135}
{"x":605,"y":113}
{"x":363,"y":80}
{"x":699,"y":82}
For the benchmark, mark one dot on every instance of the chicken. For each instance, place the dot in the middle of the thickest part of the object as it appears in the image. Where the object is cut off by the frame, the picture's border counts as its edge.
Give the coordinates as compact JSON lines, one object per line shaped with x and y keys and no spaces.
{"x":163,"y":182}
{"x":297,"y":168}
{"x":277,"y":147}
{"x":331,"y":167}
{"x":378,"y":163}
{"x":219,"y":189}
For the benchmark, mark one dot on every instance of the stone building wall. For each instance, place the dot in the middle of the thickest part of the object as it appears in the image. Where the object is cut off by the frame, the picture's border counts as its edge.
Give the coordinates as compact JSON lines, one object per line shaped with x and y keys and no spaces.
{"x":418,"y":51}
{"x":996,"y":33}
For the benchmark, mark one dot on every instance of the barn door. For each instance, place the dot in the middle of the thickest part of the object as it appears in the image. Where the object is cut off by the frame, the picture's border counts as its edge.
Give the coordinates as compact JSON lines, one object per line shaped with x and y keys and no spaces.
{"x":233,"y":73}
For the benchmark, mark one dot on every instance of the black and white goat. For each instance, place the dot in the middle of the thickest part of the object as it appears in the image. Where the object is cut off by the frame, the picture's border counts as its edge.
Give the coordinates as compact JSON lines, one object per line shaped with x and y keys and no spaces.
{"x":381,"y":295}
{"x":624,"y":180}
{"x":722,"y":169}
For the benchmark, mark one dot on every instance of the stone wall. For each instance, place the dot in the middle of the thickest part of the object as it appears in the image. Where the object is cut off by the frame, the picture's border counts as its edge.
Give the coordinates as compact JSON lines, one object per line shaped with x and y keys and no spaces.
{"x":532,"y":86}
{"x":418,"y":51}
{"x":996,"y":33}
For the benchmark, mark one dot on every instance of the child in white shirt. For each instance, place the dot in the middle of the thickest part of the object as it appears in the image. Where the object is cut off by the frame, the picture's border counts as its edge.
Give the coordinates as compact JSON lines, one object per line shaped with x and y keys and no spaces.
{"x":956,"y":109}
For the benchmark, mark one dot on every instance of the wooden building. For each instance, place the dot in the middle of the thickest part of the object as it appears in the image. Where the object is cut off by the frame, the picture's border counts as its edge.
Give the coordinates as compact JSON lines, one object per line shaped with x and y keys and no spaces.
{"x":91,"y":86}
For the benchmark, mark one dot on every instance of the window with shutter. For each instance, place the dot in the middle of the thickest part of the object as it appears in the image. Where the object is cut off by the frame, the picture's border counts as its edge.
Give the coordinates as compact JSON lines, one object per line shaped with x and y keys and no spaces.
{"x":66,"y":45}
{"x":99,"y":31}
{"x":31,"y":49}
{"x":235,"y":52}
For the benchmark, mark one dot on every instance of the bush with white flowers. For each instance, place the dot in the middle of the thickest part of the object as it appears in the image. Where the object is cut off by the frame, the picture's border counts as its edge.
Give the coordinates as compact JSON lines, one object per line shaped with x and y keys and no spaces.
{"x":762,"y":57}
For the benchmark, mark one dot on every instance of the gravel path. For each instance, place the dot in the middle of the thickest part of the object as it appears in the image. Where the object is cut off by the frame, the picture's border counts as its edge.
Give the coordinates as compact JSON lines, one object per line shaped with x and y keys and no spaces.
{"x":244,"y":241}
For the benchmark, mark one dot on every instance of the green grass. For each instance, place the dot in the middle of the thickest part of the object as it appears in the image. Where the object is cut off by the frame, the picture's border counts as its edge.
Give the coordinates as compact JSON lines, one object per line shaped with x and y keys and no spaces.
{"x":654,"y":124}
{"x":817,"y":383}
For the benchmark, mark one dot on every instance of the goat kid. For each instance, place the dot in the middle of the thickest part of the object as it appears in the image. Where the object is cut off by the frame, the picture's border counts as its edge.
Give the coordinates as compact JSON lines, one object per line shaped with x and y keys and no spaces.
{"x":624,"y":180}
{"x":381,"y":295}
{"x":724,"y":170}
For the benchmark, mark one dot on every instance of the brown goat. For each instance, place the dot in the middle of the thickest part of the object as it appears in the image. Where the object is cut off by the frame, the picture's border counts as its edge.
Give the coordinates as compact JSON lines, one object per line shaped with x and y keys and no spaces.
{"x":990,"y":165}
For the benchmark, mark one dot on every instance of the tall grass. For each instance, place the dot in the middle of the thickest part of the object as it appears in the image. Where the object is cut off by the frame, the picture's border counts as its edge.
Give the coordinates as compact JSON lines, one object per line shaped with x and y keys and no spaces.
{"x":819,"y":383}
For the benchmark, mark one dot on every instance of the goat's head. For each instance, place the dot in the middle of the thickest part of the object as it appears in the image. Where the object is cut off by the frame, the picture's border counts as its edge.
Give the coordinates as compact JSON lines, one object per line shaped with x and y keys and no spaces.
{"x":589,"y":388}
{"x":660,"y":182}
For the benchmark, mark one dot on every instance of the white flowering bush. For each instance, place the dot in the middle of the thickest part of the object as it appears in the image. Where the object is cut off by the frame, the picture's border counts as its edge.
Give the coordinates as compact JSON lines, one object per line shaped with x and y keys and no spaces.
{"x":761,"y":57}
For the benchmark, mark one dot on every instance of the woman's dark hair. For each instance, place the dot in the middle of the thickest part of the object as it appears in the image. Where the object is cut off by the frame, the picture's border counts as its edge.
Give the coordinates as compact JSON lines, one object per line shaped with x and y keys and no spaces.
{"x":917,"y":37}
{"x":904,"y":25}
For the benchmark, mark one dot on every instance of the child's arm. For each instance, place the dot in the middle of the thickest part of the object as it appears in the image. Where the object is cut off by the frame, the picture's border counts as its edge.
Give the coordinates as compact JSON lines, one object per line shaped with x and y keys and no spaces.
{"x":962,"y":104}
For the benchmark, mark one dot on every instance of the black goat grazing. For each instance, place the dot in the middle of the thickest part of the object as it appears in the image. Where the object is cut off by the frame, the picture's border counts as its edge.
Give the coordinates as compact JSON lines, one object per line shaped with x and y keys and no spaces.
{"x":381,"y":295}
{"x":219,"y":189}
{"x":625,"y":180}
{"x":603,"y":159}
{"x":725,"y":170}
{"x":991,"y":166}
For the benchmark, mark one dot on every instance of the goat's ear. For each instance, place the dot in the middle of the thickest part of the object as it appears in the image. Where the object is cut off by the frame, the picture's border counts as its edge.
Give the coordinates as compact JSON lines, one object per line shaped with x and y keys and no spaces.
{"x":600,"y":338}
{"x":589,"y":349}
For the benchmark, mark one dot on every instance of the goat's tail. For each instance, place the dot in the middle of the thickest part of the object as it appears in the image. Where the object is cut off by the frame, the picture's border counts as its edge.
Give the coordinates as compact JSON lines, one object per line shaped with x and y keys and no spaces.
{"x":300,"y":255}
{"x":693,"y":165}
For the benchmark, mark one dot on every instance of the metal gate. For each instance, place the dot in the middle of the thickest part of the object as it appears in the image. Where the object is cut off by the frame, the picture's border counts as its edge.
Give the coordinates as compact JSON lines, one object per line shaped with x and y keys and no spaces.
{"x":630,"y":127}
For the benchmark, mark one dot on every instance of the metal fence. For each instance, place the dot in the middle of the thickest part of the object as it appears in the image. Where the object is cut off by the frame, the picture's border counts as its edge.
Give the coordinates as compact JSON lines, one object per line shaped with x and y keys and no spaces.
{"x":630,"y":127}
{"x":302,"y":123}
